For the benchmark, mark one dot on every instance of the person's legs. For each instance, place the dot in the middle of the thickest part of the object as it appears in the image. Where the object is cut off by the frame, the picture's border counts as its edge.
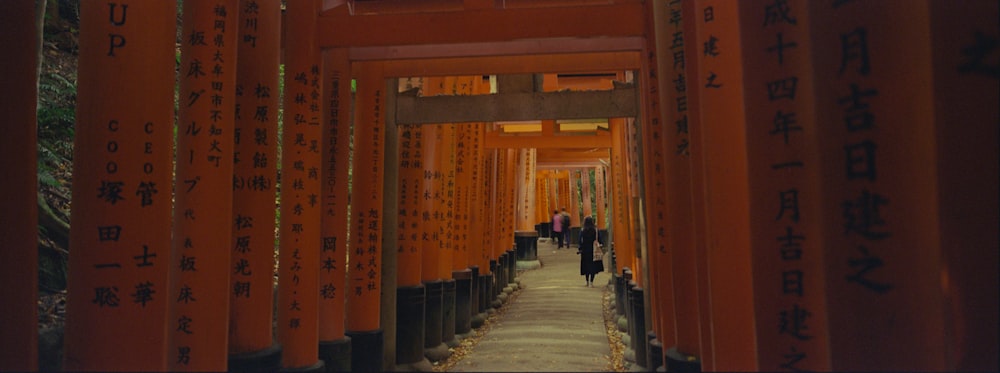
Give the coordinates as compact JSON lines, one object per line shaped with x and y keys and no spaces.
{"x":559,"y":238}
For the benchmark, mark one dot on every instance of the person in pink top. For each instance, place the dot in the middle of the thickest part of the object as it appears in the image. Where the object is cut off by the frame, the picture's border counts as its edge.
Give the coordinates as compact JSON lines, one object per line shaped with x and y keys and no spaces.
{"x":557,"y":227}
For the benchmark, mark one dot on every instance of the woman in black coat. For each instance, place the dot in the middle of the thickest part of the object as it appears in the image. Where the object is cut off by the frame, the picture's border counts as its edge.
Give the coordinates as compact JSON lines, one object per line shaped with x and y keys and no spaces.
{"x":588,"y":266}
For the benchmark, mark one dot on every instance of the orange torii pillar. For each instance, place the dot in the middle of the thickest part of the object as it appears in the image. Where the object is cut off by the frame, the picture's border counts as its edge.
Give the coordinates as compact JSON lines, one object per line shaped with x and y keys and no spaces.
{"x":301,"y":147}
{"x":526,"y":234}
{"x":784,"y":186}
{"x":525,"y":187}
{"x":587,"y":192}
{"x":620,"y":235}
{"x":251,"y":308}
{"x":461,"y":226}
{"x":445,"y":213}
{"x":680,"y":273}
{"x":573,"y":208}
{"x":481,"y":269}
{"x":118,"y":291}
{"x":203,"y":221}
{"x":467,"y":149}
{"x":911,"y":212}
{"x":431,"y":232}
{"x":19,"y":207}
{"x":496,"y":225}
{"x":334,"y":345}
{"x":969,"y":197}
{"x":654,"y":128}
{"x":505,"y":245}
{"x":543,"y":209}
{"x":690,"y":104}
{"x":601,"y":198}
{"x":410,"y":297}
{"x":724,"y":122}
{"x":363,"y":297}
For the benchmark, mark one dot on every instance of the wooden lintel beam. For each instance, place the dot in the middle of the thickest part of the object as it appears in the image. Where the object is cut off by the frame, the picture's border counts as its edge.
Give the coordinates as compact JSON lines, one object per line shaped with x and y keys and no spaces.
{"x":564,"y":155}
{"x":567,"y":165}
{"x":338,"y":28}
{"x":620,"y":102}
{"x":494,"y":65}
{"x":495,"y":140}
{"x":500,"y":48}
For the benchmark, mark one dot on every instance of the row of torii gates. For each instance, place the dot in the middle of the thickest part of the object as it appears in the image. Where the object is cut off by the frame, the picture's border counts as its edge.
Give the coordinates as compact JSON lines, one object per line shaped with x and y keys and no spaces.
{"x":792,"y":184}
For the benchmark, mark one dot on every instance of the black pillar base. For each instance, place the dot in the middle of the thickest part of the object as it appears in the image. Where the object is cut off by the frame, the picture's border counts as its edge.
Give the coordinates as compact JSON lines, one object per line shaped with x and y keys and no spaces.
{"x":319,"y":367}
{"x":482,"y":300}
{"x":681,"y":363}
{"x":619,"y":295}
{"x":410,"y":324}
{"x":654,"y":352}
{"x":336,"y":354}
{"x":434,"y":349}
{"x":512,"y":265}
{"x":500,"y":274}
{"x":639,"y":330}
{"x":448,"y":314}
{"x":367,"y":351}
{"x":463,"y":301}
{"x":476,"y":302}
{"x":266,"y":360}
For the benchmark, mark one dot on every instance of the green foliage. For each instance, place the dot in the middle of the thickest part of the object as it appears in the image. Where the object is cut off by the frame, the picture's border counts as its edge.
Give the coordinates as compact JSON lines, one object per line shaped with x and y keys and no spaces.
{"x":56,"y":106}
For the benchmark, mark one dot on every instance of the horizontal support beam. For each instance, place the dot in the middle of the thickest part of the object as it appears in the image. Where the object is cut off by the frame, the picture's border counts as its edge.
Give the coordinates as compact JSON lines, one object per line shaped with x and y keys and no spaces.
{"x":338,"y":28}
{"x":495,"y":140}
{"x":503,"y":48}
{"x":564,"y":156}
{"x":497,"y":65}
{"x":614,"y":103}
{"x":568,"y":165}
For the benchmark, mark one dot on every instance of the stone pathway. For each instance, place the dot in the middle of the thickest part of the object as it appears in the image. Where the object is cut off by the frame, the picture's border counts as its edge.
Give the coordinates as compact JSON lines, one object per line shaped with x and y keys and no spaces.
{"x":555,"y":324}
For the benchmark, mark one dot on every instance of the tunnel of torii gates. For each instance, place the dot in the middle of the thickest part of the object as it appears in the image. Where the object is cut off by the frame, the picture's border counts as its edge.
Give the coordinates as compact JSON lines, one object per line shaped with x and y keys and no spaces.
{"x":786,"y":184}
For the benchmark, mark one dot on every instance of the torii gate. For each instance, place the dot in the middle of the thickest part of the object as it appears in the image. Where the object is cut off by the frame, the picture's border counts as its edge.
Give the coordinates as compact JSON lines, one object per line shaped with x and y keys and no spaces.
{"x":907,"y":271}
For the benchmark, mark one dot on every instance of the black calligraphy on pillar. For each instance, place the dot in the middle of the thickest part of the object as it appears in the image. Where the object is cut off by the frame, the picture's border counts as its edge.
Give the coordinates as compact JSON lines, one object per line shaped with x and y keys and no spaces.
{"x":117,"y":17}
{"x":863,"y":217}
{"x":982,"y":56}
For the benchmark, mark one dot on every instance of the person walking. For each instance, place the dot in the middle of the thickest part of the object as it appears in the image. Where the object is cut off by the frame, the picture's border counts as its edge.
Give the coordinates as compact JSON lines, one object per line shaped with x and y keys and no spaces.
{"x":557,"y":227}
{"x":591,"y":253}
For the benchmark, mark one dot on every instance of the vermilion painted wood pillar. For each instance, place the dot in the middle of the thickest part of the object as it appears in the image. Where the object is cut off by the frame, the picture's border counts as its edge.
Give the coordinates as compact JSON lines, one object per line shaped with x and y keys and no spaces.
{"x":411,"y":298}
{"x":363,"y":299}
{"x":19,"y":208}
{"x":526,"y":189}
{"x":445,"y":213}
{"x":691,"y":106}
{"x":251,"y":298}
{"x":625,"y":255}
{"x":587,"y":191}
{"x":600,"y":196}
{"x":574,"y":198}
{"x":301,"y":209}
{"x":965,"y":92}
{"x":673,"y":93}
{"x":444,"y":193}
{"x":510,"y":201}
{"x":432,"y":228}
{"x":203,"y":218}
{"x":335,"y":346}
{"x":654,"y":128}
{"x":118,"y":290}
{"x":784,"y":185}
{"x":894,"y":283}
{"x":723,"y":115}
